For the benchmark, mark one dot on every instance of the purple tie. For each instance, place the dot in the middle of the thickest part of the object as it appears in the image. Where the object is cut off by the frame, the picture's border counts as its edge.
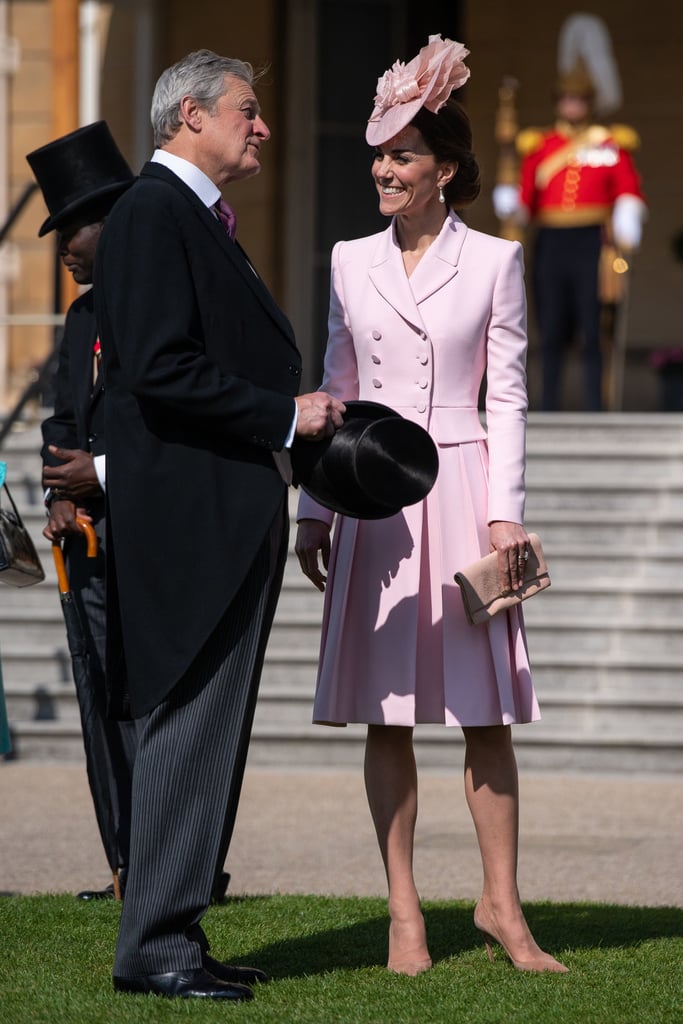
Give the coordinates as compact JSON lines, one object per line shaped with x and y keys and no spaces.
{"x":226,"y":216}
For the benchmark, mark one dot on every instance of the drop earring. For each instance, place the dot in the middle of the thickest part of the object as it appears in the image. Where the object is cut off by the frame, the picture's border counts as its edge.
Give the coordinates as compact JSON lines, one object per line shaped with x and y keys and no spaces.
{"x":442,"y":198}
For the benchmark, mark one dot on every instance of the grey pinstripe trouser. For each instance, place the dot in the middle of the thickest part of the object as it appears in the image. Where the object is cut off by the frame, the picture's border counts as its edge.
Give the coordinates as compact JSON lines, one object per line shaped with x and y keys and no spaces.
{"x":187,"y":779}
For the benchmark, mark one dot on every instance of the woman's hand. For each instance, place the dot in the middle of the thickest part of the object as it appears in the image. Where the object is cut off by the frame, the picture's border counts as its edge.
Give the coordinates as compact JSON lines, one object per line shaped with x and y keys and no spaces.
{"x":511,"y":541}
{"x":313,"y":536}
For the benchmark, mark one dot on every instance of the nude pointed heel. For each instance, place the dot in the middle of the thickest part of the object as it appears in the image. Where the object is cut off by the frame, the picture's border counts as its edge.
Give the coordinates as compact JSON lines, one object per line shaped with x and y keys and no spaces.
{"x":488,"y":942}
{"x":544,"y":962}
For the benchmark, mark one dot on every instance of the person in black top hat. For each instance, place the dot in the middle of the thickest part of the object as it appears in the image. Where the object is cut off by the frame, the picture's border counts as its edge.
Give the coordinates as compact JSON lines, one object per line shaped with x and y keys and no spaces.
{"x":81,"y":175}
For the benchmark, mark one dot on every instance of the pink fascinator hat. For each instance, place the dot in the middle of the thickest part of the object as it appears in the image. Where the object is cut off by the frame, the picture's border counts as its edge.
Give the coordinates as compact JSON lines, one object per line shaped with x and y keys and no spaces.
{"x":426,"y":81}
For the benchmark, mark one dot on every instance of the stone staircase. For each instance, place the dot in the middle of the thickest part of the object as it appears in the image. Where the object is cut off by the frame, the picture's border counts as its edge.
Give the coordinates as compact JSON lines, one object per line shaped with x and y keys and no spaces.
{"x":605,"y":493}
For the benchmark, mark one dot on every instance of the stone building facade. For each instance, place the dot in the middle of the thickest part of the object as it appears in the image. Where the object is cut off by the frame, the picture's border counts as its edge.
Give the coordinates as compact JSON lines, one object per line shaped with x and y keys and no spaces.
{"x":323,"y":58}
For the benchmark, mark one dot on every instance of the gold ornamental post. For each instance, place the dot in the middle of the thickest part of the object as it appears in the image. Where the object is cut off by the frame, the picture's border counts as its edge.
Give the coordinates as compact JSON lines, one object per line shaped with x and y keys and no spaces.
{"x":506,"y":129}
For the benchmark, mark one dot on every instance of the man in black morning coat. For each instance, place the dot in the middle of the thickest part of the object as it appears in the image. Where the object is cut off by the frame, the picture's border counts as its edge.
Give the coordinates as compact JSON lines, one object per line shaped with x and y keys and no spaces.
{"x":201,"y":372}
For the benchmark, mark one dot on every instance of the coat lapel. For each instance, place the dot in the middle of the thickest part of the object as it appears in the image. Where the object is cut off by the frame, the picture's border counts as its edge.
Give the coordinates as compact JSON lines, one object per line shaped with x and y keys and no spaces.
{"x":237,"y":256}
{"x":81,"y":366}
{"x":437,"y":267}
{"x":388,"y":275}
{"x":232,"y":250}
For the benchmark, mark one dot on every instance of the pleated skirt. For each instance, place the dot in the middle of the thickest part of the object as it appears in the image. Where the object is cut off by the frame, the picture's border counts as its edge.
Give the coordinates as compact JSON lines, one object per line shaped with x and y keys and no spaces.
{"x":396,"y":647}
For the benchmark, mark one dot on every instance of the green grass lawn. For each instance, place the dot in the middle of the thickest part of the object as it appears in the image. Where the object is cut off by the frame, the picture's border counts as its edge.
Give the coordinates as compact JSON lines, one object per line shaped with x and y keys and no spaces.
{"x":325,"y":956}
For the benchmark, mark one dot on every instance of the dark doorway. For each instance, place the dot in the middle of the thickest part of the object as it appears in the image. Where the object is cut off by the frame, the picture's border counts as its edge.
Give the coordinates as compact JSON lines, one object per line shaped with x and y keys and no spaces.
{"x":356,"y":43}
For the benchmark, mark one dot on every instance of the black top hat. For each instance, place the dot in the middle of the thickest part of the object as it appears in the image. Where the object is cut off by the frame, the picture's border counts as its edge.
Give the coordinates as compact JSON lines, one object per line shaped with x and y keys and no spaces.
{"x":376,"y":463}
{"x":84,"y":169}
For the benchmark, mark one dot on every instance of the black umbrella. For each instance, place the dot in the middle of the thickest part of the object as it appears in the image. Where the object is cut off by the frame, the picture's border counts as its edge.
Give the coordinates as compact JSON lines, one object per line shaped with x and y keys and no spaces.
{"x":80,"y":662}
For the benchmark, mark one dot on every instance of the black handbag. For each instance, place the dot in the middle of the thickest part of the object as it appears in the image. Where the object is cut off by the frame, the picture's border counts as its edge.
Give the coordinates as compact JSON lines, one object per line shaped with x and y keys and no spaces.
{"x":19,"y":562}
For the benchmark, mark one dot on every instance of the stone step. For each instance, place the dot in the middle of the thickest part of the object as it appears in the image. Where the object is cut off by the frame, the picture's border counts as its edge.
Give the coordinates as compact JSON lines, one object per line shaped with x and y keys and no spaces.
{"x":597,"y":715}
{"x":586,"y":530}
{"x":566,"y":497}
{"x":594,"y":637}
{"x":626,"y":579}
{"x":608,"y":675}
{"x":286,"y":678}
{"x":606,"y":495}
{"x":48,"y":666}
{"x":51,"y":702}
{"x":625,"y":431}
{"x":656,"y":470}
{"x":545,"y":745}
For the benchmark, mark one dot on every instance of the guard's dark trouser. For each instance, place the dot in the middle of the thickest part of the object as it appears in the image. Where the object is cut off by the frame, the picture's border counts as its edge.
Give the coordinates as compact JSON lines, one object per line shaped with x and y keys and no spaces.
{"x":566,"y":294}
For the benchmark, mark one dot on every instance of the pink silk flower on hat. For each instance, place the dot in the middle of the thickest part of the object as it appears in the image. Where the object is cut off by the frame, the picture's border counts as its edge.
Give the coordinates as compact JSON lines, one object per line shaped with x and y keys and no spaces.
{"x":426,"y":81}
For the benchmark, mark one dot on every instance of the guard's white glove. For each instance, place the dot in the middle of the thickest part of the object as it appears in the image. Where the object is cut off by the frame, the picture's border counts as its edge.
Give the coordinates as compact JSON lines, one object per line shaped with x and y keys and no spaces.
{"x":628,"y":216}
{"x":505,"y":200}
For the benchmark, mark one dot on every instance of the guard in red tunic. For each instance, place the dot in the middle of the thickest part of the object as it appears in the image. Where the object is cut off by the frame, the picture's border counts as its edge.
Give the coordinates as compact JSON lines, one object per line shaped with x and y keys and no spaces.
{"x":580,"y":188}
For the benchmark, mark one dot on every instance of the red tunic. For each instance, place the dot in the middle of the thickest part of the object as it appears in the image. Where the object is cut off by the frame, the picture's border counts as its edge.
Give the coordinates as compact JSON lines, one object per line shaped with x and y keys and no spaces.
{"x":574,"y":180}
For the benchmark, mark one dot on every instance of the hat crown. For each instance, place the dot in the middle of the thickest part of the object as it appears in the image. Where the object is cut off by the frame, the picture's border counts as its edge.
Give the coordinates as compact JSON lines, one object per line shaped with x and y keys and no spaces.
{"x":427,"y":80}
{"x":77,"y":170}
{"x":374,"y":465}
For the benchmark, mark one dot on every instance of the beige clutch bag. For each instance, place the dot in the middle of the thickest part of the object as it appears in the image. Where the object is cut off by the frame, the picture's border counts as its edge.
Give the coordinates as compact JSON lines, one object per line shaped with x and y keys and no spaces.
{"x":480,"y":584}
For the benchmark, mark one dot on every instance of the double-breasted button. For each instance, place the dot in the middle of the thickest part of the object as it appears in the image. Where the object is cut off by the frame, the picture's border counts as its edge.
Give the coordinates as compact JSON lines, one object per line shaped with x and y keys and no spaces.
{"x":421,"y":406}
{"x":376,"y":334}
{"x":423,"y":382}
{"x":376,"y":382}
{"x":423,"y":358}
{"x":294,"y":370}
{"x":375,"y":358}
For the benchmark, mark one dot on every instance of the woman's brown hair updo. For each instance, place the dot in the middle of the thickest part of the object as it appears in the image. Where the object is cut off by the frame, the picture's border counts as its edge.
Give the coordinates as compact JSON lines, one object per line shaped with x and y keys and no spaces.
{"x":449,"y":136}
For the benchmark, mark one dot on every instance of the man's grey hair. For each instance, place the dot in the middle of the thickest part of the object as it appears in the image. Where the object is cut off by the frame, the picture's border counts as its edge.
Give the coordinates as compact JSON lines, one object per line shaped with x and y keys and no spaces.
{"x":201,"y":75}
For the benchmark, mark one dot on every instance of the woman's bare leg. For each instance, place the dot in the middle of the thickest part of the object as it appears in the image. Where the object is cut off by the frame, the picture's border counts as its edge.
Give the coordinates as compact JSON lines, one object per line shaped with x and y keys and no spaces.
{"x":491,"y":787}
{"x":391,"y":786}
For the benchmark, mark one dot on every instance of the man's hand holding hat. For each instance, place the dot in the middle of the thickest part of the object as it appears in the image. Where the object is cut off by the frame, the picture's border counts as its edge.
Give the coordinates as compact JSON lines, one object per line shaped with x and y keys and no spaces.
{"x":319,"y":415}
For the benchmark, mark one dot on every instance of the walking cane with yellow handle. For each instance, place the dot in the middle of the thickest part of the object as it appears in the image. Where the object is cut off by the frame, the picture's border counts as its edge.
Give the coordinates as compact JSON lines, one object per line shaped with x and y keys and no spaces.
{"x":81,"y":668}
{"x":58,"y":554}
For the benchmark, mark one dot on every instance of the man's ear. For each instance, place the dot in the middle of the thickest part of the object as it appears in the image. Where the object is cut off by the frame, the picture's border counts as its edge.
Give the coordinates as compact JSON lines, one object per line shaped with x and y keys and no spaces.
{"x":190,"y":113}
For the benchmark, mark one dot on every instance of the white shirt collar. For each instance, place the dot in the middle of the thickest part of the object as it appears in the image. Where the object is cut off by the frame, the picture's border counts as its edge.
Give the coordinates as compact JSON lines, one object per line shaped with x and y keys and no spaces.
{"x":190,"y":174}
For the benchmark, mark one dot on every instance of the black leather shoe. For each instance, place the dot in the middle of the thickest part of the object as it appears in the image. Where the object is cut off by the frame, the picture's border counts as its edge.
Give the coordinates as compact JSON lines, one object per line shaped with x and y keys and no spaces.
{"x":220,"y":887}
{"x":97,"y":894}
{"x":234,"y":975}
{"x":195,"y":983}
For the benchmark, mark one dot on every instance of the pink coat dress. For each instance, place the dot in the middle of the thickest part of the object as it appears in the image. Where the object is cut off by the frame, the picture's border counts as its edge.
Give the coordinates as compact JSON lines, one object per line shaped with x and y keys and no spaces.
{"x":396,"y":648}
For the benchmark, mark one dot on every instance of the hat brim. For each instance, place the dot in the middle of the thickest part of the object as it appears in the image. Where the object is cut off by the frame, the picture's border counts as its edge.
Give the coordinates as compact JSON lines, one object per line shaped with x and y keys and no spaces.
{"x":83,"y":203}
{"x":391,"y":122}
{"x":387,"y":125}
{"x":375,"y":492}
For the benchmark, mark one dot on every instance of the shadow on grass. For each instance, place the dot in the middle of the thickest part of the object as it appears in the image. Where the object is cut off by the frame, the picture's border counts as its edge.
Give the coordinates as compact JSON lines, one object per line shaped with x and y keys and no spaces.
{"x":557,"y":927}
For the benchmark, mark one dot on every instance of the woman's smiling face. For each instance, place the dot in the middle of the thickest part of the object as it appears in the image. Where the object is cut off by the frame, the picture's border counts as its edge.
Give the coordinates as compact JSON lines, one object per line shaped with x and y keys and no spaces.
{"x":406,"y":174}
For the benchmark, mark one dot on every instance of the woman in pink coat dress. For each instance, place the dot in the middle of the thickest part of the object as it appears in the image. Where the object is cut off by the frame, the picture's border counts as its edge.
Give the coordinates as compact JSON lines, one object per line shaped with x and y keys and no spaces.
{"x":418,"y":314}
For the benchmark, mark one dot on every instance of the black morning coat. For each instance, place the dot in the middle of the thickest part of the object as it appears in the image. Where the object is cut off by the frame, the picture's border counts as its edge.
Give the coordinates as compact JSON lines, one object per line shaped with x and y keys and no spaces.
{"x":77,"y":420}
{"x":201,"y":369}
